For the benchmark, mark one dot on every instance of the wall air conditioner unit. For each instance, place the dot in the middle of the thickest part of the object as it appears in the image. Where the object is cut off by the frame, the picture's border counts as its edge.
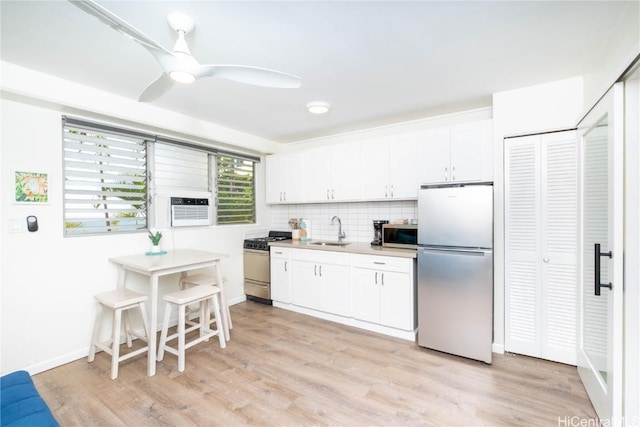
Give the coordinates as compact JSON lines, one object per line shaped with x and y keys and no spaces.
{"x":186,"y":211}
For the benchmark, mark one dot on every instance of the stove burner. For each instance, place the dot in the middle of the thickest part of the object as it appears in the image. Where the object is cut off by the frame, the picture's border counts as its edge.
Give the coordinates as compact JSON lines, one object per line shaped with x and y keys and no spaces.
{"x":262,"y":243}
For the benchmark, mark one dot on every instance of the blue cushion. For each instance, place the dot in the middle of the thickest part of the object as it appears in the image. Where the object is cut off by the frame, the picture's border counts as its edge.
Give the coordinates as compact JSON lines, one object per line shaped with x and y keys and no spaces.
{"x":21,"y":404}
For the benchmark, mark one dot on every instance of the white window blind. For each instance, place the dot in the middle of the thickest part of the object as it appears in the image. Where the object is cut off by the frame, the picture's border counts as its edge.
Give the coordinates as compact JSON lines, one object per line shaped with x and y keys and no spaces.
{"x":180,"y":168}
{"x":235,"y":190}
{"x":105,"y":185}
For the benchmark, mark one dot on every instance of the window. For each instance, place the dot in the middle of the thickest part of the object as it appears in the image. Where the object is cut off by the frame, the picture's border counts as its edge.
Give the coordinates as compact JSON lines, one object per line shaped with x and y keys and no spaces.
{"x":110,"y":173}
{"x":105,"y":180}
{"x":235,"y":190}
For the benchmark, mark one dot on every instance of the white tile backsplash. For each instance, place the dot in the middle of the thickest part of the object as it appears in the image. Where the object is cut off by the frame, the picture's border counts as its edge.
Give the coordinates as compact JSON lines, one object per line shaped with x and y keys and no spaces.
{"x":357,"y":217}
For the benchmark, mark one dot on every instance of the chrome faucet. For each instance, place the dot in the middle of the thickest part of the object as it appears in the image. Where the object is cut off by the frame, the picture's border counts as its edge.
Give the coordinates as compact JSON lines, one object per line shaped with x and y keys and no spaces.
{"x":341,"y":234}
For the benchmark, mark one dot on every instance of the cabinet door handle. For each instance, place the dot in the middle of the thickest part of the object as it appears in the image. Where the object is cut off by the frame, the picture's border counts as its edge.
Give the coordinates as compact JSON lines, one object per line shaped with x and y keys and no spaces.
{"x":376,"y":278}
{"x":332,"y":196}
{"x":446,"y":174}
{"x":315,"y":270}
{"x":453,"y":173}
{"x":382,"y":278}
{"x":392,"y":191}
{"x":596,"y":273}
{"x":379,"y":262}
{"x":328,"y":194}
{"x":320,"y":271}
{"x":285,"y":265}
{"x":284,"y":196}
{"x":281,"y":196}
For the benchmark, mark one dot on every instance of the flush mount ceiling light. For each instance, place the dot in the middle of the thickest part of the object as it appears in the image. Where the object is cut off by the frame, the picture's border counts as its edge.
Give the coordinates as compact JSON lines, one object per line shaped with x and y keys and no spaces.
{"x":318,"y":107}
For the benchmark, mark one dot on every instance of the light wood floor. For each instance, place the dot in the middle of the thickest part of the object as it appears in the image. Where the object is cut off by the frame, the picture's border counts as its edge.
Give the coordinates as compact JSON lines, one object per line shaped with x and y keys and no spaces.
{"x":286,"y":369}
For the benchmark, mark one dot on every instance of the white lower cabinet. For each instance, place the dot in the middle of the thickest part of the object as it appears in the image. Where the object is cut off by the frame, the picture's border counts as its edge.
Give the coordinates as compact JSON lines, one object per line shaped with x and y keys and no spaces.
{"x":280,"y":275}
{"x":321,"y":280}
{"x":366,"y":291}
{"x":383,"y":291}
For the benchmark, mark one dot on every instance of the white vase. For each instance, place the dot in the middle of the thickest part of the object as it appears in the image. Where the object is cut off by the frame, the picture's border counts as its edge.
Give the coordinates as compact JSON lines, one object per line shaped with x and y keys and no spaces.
{"x":155,"y":249}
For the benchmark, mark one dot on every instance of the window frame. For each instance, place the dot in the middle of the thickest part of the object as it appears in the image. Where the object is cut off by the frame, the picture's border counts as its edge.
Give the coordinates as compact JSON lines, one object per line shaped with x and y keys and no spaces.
{"x":151,"y":141}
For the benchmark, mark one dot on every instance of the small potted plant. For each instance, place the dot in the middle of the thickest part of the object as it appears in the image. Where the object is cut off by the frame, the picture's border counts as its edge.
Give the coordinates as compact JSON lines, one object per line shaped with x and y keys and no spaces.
{"x":155,"y":241}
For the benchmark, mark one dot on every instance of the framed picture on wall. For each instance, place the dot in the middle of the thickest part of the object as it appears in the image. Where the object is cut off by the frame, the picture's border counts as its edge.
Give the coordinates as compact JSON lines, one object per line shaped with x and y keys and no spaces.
{"x":31,"y":187}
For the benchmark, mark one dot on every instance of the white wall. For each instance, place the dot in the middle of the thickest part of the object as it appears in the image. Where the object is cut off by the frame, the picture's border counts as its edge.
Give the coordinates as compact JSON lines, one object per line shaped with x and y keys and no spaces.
{"x":47,"y":281}
{"x":550,"y":106}
{"x":615,"y":54}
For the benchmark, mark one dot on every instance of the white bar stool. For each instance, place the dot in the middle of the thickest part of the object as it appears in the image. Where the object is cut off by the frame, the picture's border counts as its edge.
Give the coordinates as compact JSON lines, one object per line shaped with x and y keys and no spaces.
{"x":182,"y":298}
{"x":211,"y":280}
{"x":120,"y":301}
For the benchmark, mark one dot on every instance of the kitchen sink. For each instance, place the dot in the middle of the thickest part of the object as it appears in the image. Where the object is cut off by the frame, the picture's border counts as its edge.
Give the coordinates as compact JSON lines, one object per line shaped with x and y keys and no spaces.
{"x":329,"y":243}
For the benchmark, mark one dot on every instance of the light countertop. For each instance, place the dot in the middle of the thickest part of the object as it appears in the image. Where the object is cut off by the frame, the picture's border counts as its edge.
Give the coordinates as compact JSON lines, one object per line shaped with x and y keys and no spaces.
{"x":352,"y":247}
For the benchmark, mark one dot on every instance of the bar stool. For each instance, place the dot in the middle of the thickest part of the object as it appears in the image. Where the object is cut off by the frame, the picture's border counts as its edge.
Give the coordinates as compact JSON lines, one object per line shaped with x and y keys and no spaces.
{"x":211,"y":280}
{"x":120,"y":301}
{"x":183,"y":298}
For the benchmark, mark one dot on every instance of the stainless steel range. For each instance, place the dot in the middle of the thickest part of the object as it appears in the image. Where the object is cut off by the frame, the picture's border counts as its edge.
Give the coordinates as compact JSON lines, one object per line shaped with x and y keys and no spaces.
{"x":257,"y":268}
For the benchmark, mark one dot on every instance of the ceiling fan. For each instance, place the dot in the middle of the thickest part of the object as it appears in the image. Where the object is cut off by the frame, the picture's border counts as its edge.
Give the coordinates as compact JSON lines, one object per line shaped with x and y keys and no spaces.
{"x":179,"y":65}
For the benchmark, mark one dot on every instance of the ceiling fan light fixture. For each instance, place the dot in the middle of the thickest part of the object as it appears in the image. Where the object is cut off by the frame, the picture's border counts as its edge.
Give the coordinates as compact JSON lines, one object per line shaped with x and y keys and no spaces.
{"x":318,"y":107}
{"x":182,"y":76}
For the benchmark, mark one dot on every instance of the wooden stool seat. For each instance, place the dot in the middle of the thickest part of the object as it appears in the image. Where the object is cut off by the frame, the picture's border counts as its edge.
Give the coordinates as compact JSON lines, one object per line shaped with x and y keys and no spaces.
{"x":201,"y":279}
{"x":120,"y":301}
{"x":197,"y":294}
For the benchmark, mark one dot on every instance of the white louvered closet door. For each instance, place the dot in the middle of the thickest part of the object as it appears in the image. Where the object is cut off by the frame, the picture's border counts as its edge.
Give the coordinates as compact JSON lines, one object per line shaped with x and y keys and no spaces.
{"x":541,"y":243}
{"x":559,"y":241}
{"x":522,"y":246}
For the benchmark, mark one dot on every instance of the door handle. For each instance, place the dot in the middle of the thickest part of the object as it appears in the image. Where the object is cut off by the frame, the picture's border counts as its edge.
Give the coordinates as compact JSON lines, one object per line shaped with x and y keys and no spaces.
{"x":596,"y":273}
{"x":376,"y":278}
{"x":315,"y":269}
{"x":545,"y":259}
{"x":320,"y":271}
{"x":285,"y":265}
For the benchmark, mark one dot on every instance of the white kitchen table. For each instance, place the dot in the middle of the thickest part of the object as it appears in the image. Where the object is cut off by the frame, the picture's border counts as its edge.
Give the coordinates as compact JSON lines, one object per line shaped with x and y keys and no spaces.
{"x":154,"y":266}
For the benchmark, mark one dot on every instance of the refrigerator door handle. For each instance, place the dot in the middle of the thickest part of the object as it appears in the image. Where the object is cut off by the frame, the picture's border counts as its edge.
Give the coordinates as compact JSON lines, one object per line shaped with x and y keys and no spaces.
{"x":462,"y":251}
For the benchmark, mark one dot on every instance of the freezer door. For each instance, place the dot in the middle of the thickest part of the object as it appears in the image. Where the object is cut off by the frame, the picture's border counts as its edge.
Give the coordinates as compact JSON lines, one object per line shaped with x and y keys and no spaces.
{"x":455,"y":302}
{"x":459,"y":216}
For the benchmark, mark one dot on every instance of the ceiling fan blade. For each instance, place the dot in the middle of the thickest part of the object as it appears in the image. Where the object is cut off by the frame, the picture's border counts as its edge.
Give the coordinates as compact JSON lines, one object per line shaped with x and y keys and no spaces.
{"x":251,"y":75}
{"x":117,"y":23}
{"x":156,"y":89}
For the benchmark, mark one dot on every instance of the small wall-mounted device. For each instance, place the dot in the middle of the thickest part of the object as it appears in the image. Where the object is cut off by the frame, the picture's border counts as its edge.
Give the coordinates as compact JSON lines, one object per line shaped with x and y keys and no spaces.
{"x":32,"y":223}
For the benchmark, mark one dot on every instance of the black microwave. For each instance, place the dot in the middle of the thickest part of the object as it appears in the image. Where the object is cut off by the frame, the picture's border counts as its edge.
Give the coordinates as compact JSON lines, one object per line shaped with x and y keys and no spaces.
{"x":400,"y":236}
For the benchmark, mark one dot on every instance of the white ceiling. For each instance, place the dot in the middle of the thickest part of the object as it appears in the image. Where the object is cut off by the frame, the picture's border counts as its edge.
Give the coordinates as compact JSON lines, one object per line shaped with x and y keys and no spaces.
{"x":376,"y":62}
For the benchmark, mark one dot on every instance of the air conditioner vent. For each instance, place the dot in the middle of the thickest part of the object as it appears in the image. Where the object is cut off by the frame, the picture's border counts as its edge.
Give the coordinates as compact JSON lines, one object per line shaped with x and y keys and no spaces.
{"x":189,"y":212}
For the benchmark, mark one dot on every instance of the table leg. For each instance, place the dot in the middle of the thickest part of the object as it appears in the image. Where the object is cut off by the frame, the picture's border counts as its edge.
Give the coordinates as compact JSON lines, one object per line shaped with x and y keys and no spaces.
{"x":153,"y":321}
{"x":122,"y":277}
{"x":224,"y":310}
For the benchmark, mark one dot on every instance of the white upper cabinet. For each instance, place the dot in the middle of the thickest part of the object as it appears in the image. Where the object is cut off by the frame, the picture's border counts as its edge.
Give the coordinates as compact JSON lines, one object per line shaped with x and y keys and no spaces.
{"x":283,"y":178}
{"x":332,"y":173}
{"x":460,"y":153}
{"x":390,"y":167}
{"x":382,"y":168}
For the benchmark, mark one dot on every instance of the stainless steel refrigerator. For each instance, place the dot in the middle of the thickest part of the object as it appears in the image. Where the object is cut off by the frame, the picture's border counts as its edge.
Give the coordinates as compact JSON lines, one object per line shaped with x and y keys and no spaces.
{"x":455,"y":269}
